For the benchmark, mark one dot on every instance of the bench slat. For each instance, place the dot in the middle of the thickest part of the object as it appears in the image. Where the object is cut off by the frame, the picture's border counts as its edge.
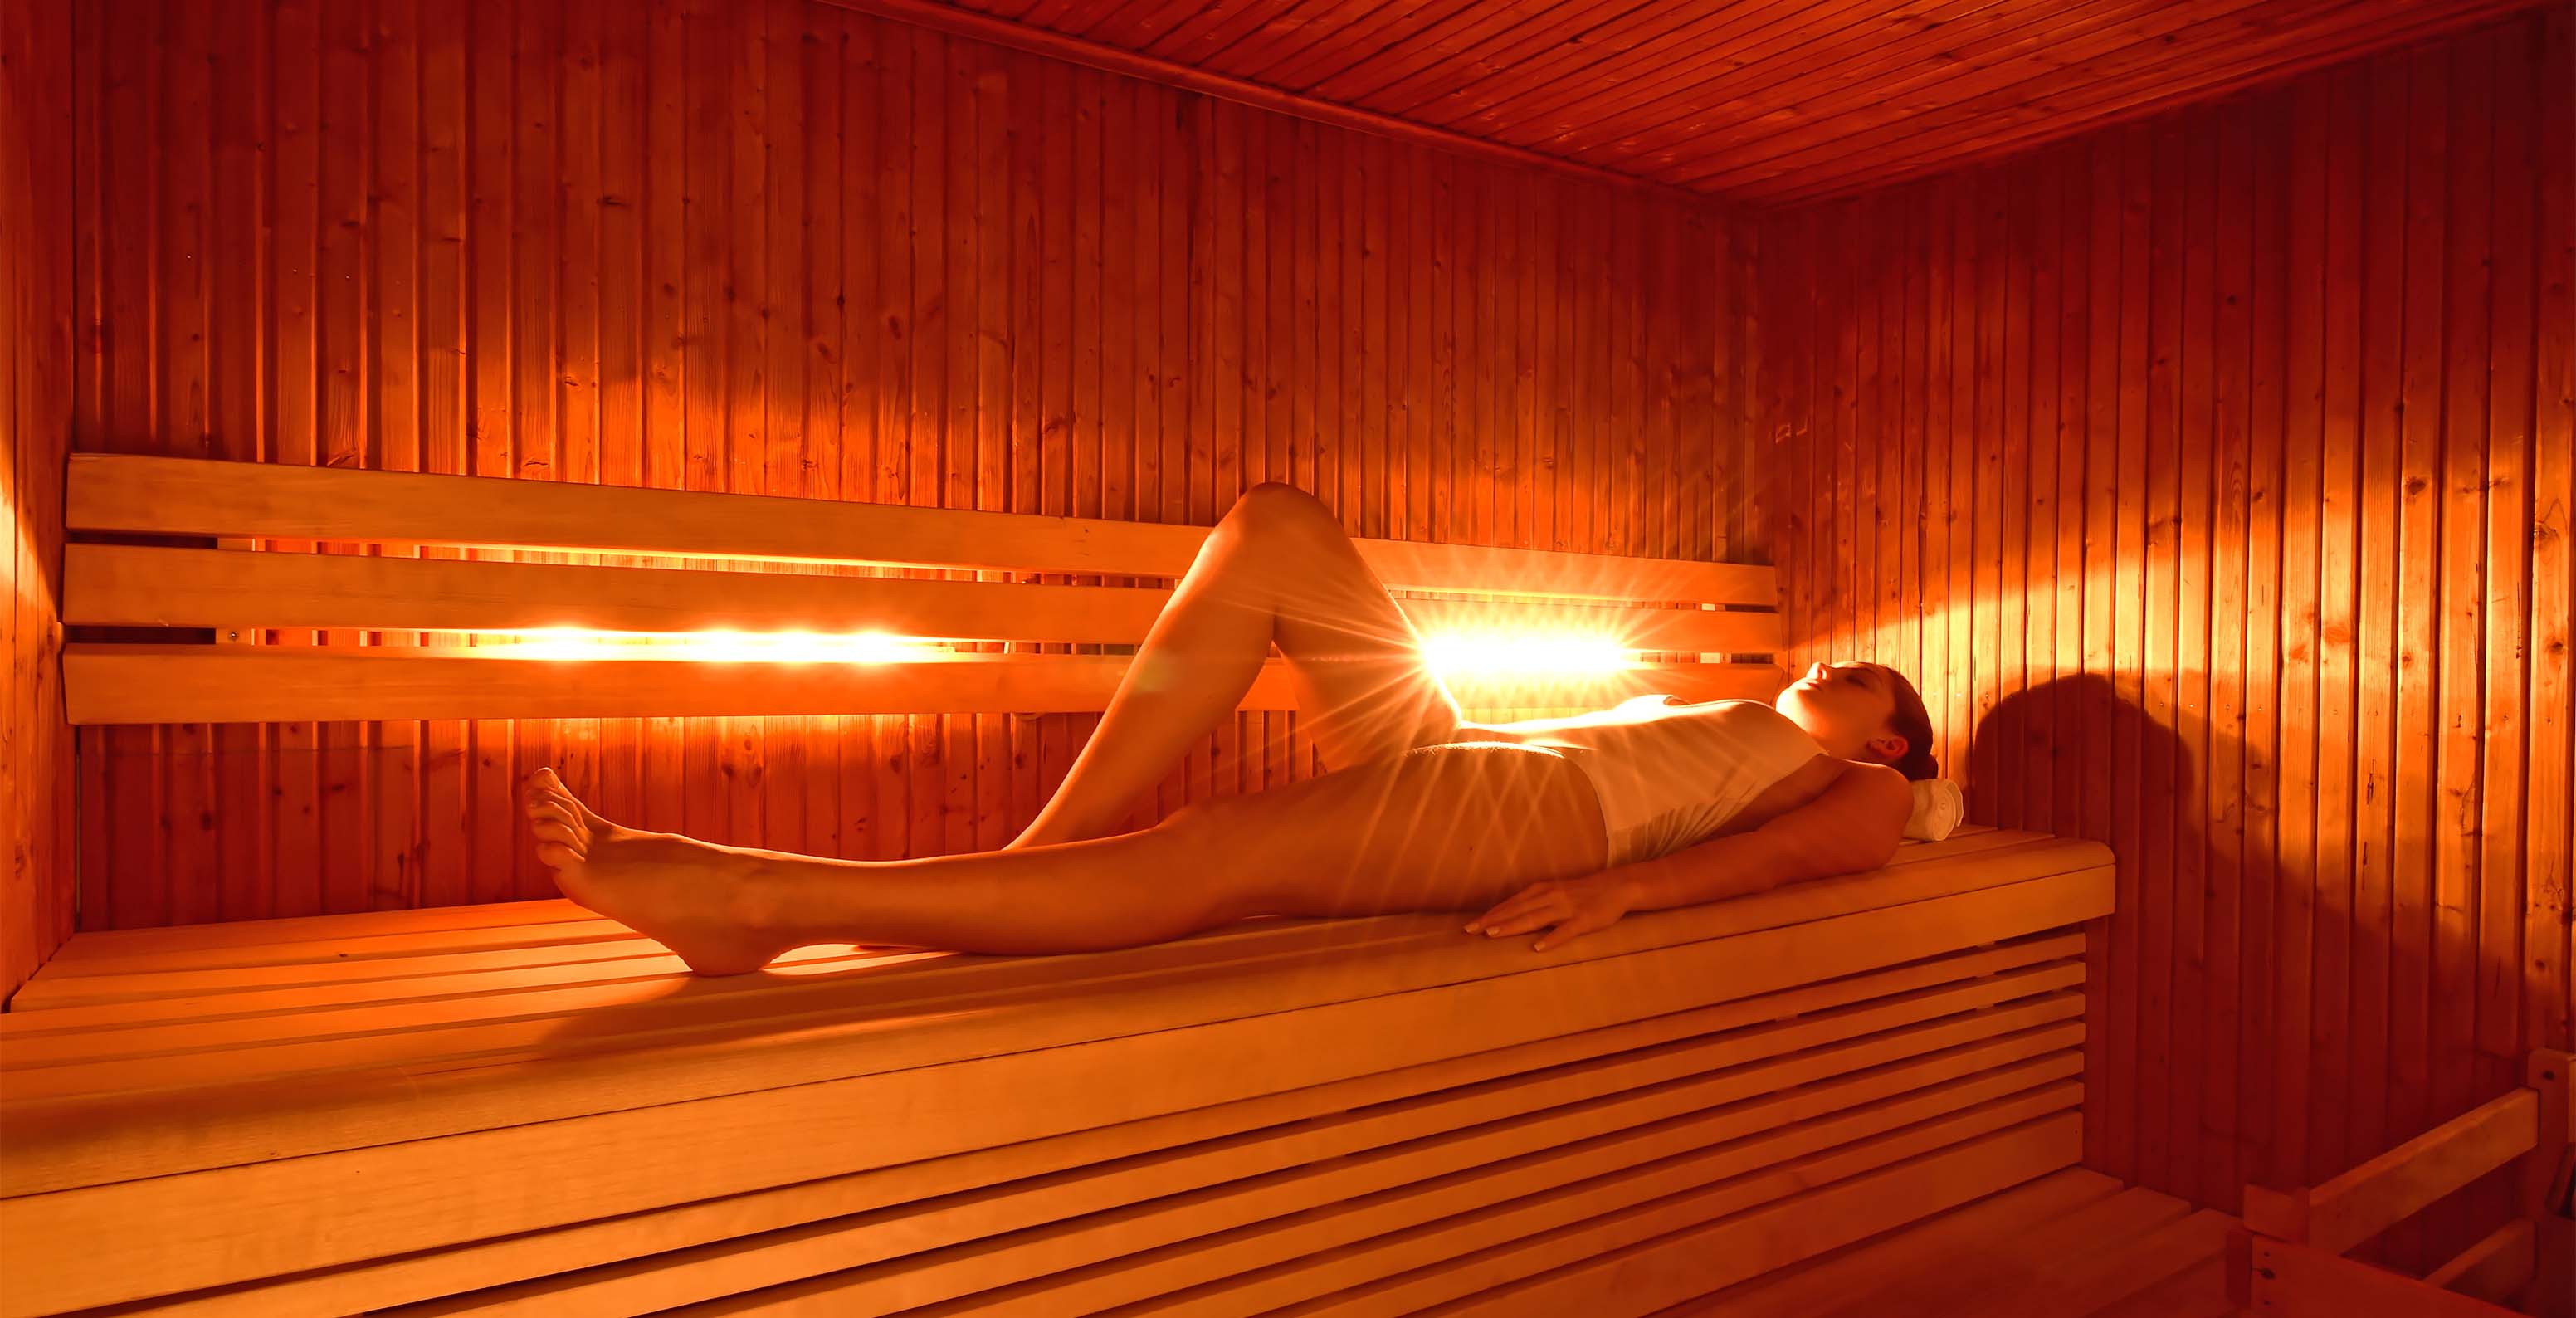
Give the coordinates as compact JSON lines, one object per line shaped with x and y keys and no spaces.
{"x":130,"y":1000}
{"x":104,"y":684}
{"x":1804,"y":1017}
{"x":2105,"y":1277}
{"x":2072,"y":1245}
{"x":128,"y":585}
{"x":2066,"y":1242}
{"x":105,"y":943}
{"x":1661,"y":1253}
{"x":182,"y":496}
{"x":1883,"y":1276}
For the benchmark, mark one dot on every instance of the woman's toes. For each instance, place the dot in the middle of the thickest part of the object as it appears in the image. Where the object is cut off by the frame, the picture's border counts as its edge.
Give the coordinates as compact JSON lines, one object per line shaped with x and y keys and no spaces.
{"x":547,"y":789}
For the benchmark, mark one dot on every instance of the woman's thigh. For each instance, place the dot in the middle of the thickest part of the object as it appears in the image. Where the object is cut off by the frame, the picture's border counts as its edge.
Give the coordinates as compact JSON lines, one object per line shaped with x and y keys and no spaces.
{"x":1363,"y":689}
{"x":1444,"y":827}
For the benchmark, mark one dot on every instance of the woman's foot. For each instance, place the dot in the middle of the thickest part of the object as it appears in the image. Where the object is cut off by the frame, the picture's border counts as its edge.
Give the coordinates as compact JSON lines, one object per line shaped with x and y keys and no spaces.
{"x":687,"y":895}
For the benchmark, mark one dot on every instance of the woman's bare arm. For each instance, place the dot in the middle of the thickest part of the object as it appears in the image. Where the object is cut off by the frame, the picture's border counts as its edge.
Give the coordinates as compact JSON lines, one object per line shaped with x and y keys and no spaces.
{"x":1854,"y":824}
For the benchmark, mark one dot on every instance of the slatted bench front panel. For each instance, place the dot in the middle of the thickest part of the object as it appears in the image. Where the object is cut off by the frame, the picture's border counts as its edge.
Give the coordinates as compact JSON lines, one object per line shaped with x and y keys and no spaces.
{"x":522,"y":1107}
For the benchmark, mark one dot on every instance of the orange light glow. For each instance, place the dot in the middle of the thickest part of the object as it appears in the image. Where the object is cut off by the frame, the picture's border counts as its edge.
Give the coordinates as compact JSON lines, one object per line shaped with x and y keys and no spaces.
{"x":1482,"y":653}
{"x":717,"y":647}
{"x":1466,"y":654}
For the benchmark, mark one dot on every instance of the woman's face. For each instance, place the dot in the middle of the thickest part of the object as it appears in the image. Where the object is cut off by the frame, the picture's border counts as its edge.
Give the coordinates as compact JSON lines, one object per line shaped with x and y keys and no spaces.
{"x":1846,"y":708}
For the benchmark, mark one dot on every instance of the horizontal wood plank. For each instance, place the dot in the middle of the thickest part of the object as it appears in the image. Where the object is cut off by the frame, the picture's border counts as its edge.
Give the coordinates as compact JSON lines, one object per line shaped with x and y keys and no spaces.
{"x":125,"y":585}
{"x":2401,"y":1182}
{"x":2298,"y":1281}
{"x":1882,"y":1274}
{"x":2496,"y":1268}
{"x":180,"y":496}
{"x":111,"y":684}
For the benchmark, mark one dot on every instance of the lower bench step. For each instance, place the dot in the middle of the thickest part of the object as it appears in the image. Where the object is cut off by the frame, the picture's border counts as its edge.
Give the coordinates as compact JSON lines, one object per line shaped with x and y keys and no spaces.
{"x":2075,"y":1244}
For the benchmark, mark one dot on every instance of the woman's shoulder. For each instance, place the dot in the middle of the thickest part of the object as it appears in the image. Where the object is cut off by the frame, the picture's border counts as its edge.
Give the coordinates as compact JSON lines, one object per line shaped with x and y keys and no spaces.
{"x":1879,"y":788}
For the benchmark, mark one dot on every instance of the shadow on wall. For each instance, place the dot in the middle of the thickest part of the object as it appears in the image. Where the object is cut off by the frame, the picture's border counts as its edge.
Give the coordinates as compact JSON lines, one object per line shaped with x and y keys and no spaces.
{"x":2258,"y":1004}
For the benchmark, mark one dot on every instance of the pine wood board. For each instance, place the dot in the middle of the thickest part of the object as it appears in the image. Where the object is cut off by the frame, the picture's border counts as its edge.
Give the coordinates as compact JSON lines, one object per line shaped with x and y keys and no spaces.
{"x":180,"y":496}
{"x":137,"y":586}
{"x":2065,"y":1246}
{"x":154,"y":684}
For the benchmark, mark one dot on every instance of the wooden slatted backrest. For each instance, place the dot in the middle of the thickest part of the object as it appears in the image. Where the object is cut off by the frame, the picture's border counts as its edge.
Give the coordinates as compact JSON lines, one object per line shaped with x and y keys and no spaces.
{"x":1712,"y":621}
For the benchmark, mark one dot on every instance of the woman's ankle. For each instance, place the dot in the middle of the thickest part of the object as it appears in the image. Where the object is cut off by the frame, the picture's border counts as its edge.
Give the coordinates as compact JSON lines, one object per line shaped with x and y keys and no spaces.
{"x":762,"y":900}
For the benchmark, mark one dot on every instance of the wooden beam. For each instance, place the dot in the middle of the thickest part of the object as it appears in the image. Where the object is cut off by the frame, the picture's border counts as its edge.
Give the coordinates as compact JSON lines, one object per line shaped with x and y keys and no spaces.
{"x":182,"y":496}
{"x":2493,"y":1269}
{"x":2299,"y":1281}
{"x":1128,"y":63}
{"x":220,"y":684}
{"x":2545,"y":1190}
{"x":2397,"y":1184}
{"x":140,"y":586}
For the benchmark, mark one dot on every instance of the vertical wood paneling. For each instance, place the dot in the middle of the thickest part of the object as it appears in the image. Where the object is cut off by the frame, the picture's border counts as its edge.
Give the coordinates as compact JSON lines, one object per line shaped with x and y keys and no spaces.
{"x":781,"y":247}
{"x":2296,"y":368}
{"x":37,"y":827}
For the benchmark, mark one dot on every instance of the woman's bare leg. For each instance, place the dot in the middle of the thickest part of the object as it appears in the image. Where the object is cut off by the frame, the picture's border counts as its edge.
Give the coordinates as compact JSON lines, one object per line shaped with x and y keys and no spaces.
{"x":1445,"y":827}
{"x":1276,"y":570}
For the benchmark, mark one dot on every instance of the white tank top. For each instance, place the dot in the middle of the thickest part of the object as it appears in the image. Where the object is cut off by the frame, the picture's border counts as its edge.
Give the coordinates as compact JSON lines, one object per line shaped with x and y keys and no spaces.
{"x":1671,"y":775}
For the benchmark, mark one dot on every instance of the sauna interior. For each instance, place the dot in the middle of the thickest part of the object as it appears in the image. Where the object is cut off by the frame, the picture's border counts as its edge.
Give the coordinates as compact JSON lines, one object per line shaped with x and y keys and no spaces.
{"x":784,"y":419}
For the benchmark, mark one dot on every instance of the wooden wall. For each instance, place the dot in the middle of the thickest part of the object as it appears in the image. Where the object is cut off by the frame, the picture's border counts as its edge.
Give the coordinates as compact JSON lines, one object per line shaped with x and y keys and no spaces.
{"x":780,"y":247}
{"x":2212,"y":474}
{"x":36,"y":894}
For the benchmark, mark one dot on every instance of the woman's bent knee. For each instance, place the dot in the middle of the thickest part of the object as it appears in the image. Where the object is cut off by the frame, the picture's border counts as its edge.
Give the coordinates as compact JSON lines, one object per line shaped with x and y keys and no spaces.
{"x":1277,"y":505}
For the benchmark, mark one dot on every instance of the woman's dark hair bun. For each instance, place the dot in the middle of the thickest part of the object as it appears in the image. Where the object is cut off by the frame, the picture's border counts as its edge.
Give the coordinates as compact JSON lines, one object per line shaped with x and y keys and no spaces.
{"x":1912,"y":722}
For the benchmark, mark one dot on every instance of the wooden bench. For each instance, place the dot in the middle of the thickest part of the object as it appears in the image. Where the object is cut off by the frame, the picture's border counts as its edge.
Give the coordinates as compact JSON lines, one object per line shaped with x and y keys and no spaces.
{"x":2072,"y":1244}
{"x":520,"y":1106}
{"x":2289,"y":1257}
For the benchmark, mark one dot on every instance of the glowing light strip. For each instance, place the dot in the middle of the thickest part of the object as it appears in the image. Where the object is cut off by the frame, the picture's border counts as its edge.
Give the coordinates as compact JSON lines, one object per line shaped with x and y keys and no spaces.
{"x":716,"y":646}
{"x":1502,"y":651}
{"x":1454,"y":653}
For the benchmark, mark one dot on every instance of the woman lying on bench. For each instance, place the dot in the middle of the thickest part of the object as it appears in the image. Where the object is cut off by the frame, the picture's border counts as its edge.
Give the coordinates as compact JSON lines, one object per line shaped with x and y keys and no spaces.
{"x":1565,"y":824}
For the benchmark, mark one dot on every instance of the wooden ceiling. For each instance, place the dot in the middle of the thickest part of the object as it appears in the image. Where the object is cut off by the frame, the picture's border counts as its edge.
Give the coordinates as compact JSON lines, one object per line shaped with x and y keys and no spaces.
{"x":1764,"y":100}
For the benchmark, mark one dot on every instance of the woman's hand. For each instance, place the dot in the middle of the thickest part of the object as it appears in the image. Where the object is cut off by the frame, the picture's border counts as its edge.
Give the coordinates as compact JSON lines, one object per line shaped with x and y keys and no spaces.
{"x":1574,"y":907}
